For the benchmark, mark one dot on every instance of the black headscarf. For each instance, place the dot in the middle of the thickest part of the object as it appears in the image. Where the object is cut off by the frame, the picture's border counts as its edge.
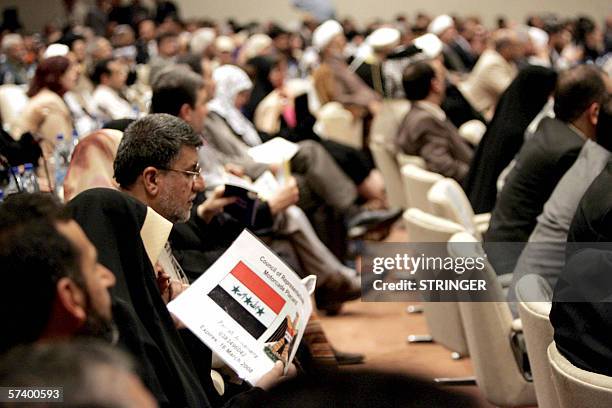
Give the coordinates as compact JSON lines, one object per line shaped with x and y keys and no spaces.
{"x":518,"y":106}
{"x":259,"y":68}
{"x":112,"y":221}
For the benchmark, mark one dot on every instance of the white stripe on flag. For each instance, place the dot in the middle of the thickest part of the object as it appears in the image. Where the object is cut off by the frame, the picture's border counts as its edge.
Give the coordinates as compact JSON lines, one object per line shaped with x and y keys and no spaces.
{"x":242,"y":295}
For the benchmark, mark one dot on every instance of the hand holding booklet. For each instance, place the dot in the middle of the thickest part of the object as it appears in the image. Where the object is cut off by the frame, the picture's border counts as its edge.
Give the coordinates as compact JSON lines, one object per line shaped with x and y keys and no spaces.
{"x":249,"y":308}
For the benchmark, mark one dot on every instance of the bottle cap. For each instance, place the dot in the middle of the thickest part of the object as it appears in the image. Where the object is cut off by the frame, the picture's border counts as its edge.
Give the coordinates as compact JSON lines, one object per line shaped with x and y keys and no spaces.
{"x":60,"y":136}
{"x":28,"y":166}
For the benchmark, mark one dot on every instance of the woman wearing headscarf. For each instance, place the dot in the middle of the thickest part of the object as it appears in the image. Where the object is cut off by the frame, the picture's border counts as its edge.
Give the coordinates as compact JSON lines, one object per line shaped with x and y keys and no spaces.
{"x":517,"y":107}
{"x":281,"y":108}
{"x":174,"y":364}
{"x":233,"y":92}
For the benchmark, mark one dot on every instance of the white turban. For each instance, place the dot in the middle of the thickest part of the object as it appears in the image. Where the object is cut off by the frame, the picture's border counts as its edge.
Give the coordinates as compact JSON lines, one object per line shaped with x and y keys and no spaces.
{"x":323,"y":34}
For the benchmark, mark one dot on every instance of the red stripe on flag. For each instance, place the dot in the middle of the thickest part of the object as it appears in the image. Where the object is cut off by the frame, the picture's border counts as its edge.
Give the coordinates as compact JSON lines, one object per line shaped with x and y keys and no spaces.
{"x":260,"y":288}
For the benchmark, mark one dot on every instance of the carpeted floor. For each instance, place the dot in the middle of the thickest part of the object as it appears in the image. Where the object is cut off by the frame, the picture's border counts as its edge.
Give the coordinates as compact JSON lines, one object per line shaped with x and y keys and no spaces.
{"x":379,"y":330}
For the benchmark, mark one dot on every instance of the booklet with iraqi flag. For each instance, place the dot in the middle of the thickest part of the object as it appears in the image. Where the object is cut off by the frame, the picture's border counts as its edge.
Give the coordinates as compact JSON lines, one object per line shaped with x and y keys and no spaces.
{"x":249,"y":308}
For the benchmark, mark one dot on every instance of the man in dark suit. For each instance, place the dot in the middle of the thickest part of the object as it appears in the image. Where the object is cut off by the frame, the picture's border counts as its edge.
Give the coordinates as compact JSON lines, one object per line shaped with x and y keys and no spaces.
{"x":426,"y":131}
{"x":581,"y":313}
{"x":544,"y":159}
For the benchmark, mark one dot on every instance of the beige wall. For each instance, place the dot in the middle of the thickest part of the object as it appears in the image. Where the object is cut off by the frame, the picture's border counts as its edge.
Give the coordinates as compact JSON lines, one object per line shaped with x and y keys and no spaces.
{"x":34,"y":13}
{"x":365,"y":10}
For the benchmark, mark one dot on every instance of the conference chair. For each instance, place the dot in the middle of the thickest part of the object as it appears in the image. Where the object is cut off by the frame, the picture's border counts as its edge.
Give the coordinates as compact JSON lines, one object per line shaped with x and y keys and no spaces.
{"x":534,"y":296}
{"x":416,"y":184}
{"x":13,"y":100}
{"x":442,"y":318}
{"x":448,"y":200}
{"x":336,"y":123}
{"x":489,"y":331}
{"x":578,"y":388}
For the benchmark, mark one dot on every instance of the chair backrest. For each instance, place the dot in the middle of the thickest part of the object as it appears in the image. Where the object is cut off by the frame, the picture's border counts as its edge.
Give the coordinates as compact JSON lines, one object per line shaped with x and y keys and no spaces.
{"x":387,"y":121}
{"x":488,"y":329}
{"x":424,"y":227}
{"x":448,"y":200}
{"x":417,"y":182}
{"x":386,"y":163}
{"x":578,"y":388}
{"x":534,"y":295}
{"x":338,"y":124}
{"x":443,"y":318}
{"x":404,"y":159}
{"x":13,"y":100}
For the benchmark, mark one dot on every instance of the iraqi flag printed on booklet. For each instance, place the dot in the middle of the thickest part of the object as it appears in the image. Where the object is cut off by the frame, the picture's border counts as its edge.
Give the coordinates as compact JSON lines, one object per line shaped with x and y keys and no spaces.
{"x":248,"y":307}
{"x":250,"y":301}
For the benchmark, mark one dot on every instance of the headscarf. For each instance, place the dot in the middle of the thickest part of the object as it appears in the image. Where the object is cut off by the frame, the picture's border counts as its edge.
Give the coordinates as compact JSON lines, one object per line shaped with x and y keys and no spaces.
{"x":518,"y":106}
{"x":113,"y":222}
{"x":230,"y":81}
{"x":262,"y":67}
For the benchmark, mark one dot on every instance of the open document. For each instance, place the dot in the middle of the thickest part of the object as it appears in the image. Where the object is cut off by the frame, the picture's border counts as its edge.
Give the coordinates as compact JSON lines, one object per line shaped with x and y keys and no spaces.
{"x":248,"y":307}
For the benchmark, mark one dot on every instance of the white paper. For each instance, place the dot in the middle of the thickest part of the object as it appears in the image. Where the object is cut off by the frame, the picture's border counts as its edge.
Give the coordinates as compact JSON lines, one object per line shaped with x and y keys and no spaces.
{"x":265,"y":297}
{"x":274,"y":151}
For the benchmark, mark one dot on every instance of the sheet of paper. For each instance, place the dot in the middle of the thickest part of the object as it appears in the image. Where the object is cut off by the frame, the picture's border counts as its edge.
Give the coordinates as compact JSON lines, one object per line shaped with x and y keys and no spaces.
{"x":274,"y":151}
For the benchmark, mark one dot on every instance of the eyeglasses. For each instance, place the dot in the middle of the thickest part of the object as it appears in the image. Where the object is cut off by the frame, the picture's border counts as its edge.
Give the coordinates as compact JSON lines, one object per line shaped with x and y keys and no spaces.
{"x":194,"y":174}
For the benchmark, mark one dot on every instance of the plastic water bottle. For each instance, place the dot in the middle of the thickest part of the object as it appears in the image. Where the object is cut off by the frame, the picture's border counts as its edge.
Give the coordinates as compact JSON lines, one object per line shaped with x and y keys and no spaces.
{"x":15,"y":184}
{"x":29,"y":180}
{"x":75,"y":139}
{"x":61,"y":159}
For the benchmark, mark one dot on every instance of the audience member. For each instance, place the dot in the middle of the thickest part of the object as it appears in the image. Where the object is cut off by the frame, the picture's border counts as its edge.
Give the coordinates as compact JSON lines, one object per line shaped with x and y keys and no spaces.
{"x":13,"y":66}
{"x":42,"y":249}
{"x":526,"y":96}
{"x":544,"y":159}
{"x":425,"y":131}
{"x":544,"y":254}
{"x":493,"y":72}
{"x":110,"y":77}
{"x":90,"y":374}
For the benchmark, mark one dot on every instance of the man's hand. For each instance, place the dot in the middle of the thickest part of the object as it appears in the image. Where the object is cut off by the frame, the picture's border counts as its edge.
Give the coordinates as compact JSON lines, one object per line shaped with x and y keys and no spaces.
{"x":287,"y":195}
{"x":214,"y":204}
{"x":275,"y":376}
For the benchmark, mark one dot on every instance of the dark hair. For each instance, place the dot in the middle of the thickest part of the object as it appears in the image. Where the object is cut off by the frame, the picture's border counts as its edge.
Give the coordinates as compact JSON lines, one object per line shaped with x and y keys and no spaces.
{"x":48,"y":75}
{"x":101,"y":68}
{"x":583,"y":27}
{"x":72,"y":364}
{"x":576,"y":90}
{"x":173,"y":88}
{"x":417,"y":80}
{"x":276,"y":30}
{"x":154,"y":140}
{"x":34,"y":255}
{"x":163,"y":36}
{"x":603,"y":131}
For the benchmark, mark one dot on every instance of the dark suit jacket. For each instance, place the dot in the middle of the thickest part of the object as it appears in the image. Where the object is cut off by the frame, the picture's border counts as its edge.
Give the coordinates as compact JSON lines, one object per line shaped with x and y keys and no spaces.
{"x":540,"y":164}
{"x":582,"y":309}
{"x":423,"y":134}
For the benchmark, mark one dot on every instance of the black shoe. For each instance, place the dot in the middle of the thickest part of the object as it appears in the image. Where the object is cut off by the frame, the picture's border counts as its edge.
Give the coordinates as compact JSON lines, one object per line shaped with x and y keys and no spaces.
{"x":365,"y":221}
{"x":344,"y":358}
{"x":335,"y":292}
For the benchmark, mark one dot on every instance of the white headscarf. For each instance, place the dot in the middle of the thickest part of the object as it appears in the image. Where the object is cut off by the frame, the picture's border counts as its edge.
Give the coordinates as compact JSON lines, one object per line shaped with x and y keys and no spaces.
{"x":230,"y":81}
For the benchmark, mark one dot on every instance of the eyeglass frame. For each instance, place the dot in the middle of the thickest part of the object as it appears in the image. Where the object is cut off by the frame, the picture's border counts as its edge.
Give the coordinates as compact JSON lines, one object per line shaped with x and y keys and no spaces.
{"x":193,"y":174}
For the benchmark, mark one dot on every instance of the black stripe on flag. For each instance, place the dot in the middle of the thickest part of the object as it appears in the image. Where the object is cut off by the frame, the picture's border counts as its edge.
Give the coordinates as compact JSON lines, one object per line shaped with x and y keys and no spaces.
{"x":237,"y":312}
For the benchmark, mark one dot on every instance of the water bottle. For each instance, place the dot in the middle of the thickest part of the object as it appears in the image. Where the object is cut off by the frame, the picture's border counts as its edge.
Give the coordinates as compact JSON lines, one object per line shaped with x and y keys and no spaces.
{"x":1,"y":195}
{"x":61,"y":160}
{"x":75,"y":140}
{"x":15,"y":184}
{"x":29,"y":180}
